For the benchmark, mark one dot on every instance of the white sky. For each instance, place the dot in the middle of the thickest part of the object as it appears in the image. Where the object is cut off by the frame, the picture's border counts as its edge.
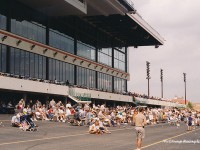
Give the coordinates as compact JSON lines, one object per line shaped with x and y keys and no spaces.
{"x":178,"y":21}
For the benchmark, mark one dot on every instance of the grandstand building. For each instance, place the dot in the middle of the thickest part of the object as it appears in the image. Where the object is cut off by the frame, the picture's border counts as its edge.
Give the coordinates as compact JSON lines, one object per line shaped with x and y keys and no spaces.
{"x":69,"y":49}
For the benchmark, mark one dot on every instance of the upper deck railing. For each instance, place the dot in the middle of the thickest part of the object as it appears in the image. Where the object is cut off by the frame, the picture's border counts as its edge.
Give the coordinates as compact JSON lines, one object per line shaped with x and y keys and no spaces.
{"x":130,"y":2}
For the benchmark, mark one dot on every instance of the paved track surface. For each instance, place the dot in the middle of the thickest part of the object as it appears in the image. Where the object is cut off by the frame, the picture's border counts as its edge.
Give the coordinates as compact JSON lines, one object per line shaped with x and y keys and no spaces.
{"x":62,"y":136}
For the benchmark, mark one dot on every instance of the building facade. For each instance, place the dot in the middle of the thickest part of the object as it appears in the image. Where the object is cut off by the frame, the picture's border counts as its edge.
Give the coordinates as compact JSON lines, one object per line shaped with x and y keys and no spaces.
{"x":69,"y":45}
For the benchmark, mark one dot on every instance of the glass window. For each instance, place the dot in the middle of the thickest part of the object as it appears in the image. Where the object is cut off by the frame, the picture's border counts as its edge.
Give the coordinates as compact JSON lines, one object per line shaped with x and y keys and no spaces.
{"x":61,"y":71}
{"x":86,"y":77}
{"x":86,"y":50}
{"x":32,"y":65}
{"x":12,"y":61}
{"x":40,"y":73}
{"x":64,"y":72}
{"x":119,"y":85}
{"x":105,"y":56}
{"x":119,"y":60}
{"x":57,"y":70}
{"x":104,"y":82}
{"x":53,"y":69}
{"x":36,"y":66}
{"x":27,"y":64}
{"x":3,"y":20}
{"x":67,"y":70}
{"x":122,"y":49}
{"x":61,"y":41}
{"x":44,"y":67}
{"x":50,"y":69}
{"x":17,"y":61}
{"x":31,"y":30}
{"x":71,"y":74}
{"x":2,"y":58}
{"x":22,"y":64}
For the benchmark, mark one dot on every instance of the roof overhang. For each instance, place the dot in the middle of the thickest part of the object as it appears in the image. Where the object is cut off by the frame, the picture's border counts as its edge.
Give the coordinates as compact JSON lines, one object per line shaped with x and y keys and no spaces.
{"x":130,"y":29}
{"x":110,"y":16}
{"x":76,"y":7}
{"x":57,"y":7}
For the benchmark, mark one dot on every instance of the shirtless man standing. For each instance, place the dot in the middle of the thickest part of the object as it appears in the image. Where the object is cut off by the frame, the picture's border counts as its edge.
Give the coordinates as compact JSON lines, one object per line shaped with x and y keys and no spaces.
{"x":140,"y":122}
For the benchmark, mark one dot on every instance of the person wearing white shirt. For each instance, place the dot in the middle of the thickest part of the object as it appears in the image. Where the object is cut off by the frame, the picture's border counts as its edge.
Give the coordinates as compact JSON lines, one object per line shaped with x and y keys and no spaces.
{"x":15,"y":121}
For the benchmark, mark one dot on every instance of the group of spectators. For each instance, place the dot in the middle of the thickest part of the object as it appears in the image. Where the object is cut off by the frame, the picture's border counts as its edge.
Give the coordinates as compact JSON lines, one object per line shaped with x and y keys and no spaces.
{"x":99,"y":117}
{"x":144,"y":96}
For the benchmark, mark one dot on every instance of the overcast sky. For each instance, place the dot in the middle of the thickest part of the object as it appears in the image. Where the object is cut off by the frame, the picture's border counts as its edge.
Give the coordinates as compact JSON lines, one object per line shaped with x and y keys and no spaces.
{"x":178,"y":22}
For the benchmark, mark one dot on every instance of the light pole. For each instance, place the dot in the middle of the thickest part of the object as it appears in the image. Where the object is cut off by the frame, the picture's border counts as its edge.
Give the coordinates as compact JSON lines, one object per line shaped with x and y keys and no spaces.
{"x":161,"y":79}
{"x":148,"y":74}
{"x":184,"y":79}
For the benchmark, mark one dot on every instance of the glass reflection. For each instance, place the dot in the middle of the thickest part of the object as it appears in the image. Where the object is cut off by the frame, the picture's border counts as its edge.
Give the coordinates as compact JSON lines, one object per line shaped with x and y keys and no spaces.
{"x":105,"y":56}
{"x":61,"y":41}
{"x":85,"y":50}
{"x":104,"y":82}
{"x":3,"y":58}
{"x":86,"y":77}
{"x":3,"y":20}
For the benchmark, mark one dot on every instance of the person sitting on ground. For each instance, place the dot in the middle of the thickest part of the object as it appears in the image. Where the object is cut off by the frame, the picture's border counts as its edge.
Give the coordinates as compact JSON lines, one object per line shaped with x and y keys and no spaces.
{"x":77,"y":117}
{"x":50,"y":113}
{"x":103,"y":128}
{"x":15,"y":121}
{"x":94,"y":128}
{"x":40,"y":114}
{"x":56,"y":113}
{"x":61,"y":114}
{"x":67,"y":113}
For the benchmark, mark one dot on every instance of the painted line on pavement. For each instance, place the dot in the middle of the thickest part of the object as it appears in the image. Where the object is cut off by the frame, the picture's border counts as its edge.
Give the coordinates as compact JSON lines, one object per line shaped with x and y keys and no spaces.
{"x":59,"y":137}
{"x":173,"y":137}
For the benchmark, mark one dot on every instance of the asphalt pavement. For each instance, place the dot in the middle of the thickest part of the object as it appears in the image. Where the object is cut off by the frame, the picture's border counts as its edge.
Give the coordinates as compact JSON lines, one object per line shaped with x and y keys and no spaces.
{"x":62,"y":136}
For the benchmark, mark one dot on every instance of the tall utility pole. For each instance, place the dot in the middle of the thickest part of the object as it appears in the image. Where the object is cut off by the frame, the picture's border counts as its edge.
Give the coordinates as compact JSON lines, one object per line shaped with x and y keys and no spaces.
{"x":161,"y":79}
{"x":148,"y":74}
{"x":184,"y":79}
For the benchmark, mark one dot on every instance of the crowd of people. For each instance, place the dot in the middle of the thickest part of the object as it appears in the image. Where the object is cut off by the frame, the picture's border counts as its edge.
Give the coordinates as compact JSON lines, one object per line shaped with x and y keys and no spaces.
{"x":145,"y":96}
{"x":98,"y":117}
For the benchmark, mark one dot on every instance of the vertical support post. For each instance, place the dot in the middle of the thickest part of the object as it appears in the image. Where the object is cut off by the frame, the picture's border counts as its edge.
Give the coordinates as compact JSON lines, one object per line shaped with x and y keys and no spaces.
{"x":184,"y":79}
{"x":148,"y":76}
{"x":161,"y":79}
